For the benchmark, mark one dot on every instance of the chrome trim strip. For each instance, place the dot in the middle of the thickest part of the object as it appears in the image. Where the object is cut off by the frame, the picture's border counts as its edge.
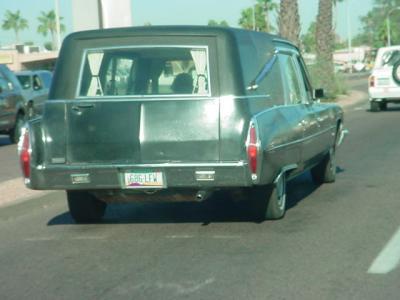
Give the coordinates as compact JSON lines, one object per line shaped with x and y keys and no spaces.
{"x":343,"y":134}
{"x":289,"y":168}
{"x":85,"y":52}
{"x":164,"y":97}
{"x":135,"y":99}
{"x":300,"y":140}
{"x":130,"y":166}
{"x":248,"y":97}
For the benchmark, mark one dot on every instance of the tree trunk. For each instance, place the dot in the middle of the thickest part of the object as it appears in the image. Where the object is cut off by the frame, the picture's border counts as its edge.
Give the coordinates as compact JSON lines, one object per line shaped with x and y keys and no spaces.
{"x":53,"y":40}
{"x":325,"y":42}
{"x":266,"y":17}
{"x":16,"y":37}
{"x":289,"y":21}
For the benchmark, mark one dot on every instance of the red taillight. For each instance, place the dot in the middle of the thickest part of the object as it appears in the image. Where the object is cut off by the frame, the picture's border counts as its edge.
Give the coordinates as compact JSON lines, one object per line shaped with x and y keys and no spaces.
{"x":25,"y":154}
{"x":252,"y":149}
{"x":372,"y":81}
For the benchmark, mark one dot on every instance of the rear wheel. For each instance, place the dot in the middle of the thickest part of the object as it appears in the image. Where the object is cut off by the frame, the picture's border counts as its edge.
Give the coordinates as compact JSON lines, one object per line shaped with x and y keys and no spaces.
{"x":16,"y":131}
{"x":383,"y":106}
{"x":325,"y":171}
{"x":375,"y":107}
{"x":84,"y":207}
{"x":396,"y":72}
{"x":269,"y":202}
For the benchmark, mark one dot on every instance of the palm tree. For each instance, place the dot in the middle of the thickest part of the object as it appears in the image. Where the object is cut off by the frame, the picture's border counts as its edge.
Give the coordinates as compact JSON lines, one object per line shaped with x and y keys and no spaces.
{"x":14,"y":21}
{"x":289,"y":21}
{"x":48,"y":24}
{"x":262,"y":10}
{"x":268,"y":7}
{"x":325,"y":45}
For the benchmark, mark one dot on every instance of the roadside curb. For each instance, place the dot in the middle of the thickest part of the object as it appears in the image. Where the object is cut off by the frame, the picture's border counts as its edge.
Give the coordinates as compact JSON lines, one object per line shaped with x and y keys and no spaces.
{"x":14,"y":190}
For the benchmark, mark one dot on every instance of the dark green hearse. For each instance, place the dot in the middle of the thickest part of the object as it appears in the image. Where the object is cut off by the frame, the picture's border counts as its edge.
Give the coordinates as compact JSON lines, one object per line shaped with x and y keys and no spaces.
{"x":176,"y":113}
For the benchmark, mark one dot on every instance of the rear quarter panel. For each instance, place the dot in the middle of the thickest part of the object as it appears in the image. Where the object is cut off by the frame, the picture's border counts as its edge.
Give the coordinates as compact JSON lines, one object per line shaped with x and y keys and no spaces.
{"x":280,"y":133}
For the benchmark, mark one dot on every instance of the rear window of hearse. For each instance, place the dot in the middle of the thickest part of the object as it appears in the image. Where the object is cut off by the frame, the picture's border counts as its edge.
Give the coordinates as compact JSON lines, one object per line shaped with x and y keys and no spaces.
{"x":144,"y":71}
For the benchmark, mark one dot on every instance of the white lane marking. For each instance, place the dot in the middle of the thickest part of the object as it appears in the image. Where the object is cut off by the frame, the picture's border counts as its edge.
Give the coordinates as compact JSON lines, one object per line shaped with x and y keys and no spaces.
{"x":227,"y":237}
{"x":180,"y":236}
{"x":40,"y":239}
{"x":181,"y":288}
{"x":389,"y":258}
{"x":186,"y":288}
{"x":89,"y":238}
{"x":360,"y":108}
{"x":80,"y":238}
{"x":186,"y":236}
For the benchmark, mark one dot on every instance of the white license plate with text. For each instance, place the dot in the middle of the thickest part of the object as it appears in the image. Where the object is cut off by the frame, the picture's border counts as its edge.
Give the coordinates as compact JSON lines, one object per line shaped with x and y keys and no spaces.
{"x":144,"y":180}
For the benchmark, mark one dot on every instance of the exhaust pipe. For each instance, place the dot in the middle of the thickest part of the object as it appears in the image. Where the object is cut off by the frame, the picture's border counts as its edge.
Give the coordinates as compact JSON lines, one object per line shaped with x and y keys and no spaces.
{"x":203,"y":195}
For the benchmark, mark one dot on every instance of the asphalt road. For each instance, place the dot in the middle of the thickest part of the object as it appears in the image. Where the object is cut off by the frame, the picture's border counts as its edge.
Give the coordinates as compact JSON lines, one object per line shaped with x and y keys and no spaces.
{"x":9,"y":167}
{"x":337,"y":241}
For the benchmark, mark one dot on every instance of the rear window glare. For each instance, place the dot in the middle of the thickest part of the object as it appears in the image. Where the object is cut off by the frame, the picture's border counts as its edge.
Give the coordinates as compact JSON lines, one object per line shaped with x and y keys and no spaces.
{"x":25,"y":81}
{"x":145,"y":71}
{"x":389,"y":58}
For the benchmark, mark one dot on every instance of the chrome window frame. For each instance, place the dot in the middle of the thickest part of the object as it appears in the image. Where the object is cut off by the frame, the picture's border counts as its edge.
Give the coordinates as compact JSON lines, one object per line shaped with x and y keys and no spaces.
{"x":290,"y":53}
{"x":88,"y":50}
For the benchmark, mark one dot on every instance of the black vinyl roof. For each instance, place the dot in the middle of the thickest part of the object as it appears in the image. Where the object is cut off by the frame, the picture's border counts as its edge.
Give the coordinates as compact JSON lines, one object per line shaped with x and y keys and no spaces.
{"x":166,"y":30}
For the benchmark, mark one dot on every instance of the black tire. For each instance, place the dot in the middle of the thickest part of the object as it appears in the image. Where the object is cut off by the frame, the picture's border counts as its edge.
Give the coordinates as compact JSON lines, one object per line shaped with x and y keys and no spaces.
{"x":325,"y":171}
{"x":375,"y":107}
{"x":15,"y":133}
{"x":269,"y":202}
{"x":383,"y":105}
{"x":84,"y":207}
{"x":396,"y":72}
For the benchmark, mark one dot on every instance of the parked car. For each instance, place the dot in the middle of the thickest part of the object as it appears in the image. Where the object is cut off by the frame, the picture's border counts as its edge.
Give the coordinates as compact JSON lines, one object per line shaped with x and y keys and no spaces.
{"x":172,"y":113}
{"x":12,"y":110}
{"x":384,"y":82}
{"x":35,"y":89}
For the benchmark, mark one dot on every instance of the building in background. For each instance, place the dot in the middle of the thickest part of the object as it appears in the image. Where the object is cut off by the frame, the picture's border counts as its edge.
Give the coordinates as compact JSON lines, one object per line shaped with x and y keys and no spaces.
{"x":103,"y":14}
{"x":86,"y":15}
{"x":28,"y":58}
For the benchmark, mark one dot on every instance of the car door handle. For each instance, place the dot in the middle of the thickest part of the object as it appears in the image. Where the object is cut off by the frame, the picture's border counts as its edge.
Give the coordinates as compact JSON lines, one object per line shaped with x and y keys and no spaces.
{"x":79,"y":107}
{"x":86,"y":105}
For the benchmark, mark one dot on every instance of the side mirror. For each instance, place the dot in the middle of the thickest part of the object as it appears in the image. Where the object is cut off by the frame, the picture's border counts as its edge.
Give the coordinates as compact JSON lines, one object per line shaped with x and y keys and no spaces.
{"x":318,"y":93}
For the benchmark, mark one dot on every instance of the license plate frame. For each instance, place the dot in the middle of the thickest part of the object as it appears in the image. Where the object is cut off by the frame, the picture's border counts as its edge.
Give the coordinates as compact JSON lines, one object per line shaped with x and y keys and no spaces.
{"x":143,"y":179}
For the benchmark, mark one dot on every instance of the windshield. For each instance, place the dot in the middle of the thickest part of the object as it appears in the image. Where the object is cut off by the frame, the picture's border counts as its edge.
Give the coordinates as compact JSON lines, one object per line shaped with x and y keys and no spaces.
{"x":145,"y":71}
{"x":25,"y":81}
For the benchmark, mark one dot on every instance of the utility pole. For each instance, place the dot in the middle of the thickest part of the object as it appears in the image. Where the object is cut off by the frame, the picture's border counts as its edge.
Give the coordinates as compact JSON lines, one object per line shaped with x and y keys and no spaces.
{"x":389,"y":38}
{"x":254,"y":17}
{"x":58,"y":30}
{"x":349,"y":37}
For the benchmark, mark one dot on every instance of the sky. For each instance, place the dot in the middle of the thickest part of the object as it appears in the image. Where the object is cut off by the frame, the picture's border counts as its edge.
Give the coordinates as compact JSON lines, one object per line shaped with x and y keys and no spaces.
{"x":178,"y":12}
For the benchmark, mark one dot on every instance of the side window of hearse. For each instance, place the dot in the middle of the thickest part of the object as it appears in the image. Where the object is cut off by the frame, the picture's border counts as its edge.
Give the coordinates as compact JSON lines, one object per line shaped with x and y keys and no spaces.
{"x":272,"y":85}
{"x":304,"y":78}
{"x":294,"y":93}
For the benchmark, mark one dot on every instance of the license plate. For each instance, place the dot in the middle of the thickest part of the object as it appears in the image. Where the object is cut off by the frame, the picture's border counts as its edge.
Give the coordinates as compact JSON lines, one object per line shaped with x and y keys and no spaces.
{"x":143,"y":180}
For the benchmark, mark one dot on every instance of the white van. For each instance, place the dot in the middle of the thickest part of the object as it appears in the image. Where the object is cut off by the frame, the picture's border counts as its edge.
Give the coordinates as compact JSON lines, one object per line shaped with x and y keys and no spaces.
{"x":384,"y":82}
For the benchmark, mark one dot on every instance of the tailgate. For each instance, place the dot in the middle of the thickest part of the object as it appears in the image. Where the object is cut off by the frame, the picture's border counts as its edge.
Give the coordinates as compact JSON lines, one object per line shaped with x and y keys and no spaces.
{"x":142,"y":131}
